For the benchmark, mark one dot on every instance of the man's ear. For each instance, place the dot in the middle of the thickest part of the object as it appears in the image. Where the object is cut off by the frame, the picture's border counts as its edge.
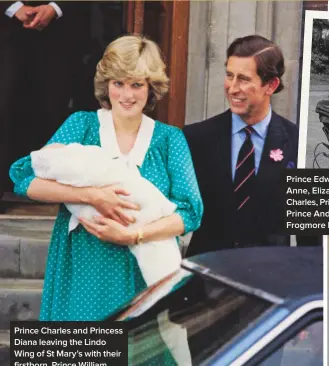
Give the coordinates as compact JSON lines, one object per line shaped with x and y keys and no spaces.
{"x":272,"y":85}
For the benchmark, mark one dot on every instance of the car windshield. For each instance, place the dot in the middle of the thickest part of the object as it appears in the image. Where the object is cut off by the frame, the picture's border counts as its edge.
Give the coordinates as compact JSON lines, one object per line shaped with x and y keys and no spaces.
{"x":185,"y":319}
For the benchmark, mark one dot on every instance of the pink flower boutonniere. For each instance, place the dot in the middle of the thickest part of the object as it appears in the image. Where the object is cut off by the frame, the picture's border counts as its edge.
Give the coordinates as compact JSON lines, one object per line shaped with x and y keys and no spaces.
{"x":276,"y":155}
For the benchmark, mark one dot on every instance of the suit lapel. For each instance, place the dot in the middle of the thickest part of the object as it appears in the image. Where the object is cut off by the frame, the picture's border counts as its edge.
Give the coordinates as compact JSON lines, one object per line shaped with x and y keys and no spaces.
{"x":276,"y":138}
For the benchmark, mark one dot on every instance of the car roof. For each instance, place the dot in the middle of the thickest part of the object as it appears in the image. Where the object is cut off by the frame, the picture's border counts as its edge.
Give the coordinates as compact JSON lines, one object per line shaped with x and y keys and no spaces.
{"x":277,"y":274}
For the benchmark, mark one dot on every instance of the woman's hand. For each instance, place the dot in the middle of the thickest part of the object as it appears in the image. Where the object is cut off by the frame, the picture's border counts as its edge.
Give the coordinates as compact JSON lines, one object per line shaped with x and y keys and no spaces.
{"x":109,"y":230}
{"x":110,"y":205}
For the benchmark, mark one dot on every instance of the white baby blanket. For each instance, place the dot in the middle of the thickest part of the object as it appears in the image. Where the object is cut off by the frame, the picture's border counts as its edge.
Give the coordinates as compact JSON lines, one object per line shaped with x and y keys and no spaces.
{"x":84,"y":166}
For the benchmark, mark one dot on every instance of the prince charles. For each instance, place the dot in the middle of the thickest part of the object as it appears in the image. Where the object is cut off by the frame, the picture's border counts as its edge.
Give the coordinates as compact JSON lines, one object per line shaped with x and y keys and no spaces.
{"x":240,"y":154}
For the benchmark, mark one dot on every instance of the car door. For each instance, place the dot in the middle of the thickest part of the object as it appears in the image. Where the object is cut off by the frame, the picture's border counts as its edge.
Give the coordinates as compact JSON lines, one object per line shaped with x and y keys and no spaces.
{"x":300,"y":344}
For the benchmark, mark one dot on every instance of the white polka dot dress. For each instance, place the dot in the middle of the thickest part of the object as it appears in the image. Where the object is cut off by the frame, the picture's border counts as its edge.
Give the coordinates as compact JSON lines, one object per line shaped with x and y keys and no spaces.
{"x":87,"y":279}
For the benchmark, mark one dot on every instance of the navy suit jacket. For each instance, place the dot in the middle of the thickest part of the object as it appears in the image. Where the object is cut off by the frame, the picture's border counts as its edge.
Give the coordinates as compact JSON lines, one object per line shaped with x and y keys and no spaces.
{"x":210,"y":145}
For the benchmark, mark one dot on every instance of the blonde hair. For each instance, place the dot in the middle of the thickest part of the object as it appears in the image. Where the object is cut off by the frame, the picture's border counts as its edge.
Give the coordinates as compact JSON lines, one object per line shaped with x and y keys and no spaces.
{"x":131,"y":57}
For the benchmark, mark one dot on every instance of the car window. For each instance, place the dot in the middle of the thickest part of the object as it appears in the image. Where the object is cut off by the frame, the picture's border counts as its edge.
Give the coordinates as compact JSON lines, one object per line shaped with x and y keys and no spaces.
{"x":304,"y":349}
{"x":151,"y":295}
{"x":190,"y":324}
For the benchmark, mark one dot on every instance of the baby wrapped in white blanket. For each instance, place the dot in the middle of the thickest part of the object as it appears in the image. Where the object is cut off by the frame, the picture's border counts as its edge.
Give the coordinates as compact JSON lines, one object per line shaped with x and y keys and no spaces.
{"x":83,"y":166}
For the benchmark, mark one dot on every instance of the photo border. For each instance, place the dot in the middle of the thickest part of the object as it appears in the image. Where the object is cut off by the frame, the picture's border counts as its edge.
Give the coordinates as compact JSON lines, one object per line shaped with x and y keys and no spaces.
{"x":310,"y":15}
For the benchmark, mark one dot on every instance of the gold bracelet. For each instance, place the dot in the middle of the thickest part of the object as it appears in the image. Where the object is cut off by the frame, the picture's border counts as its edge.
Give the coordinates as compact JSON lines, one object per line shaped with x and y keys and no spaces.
{"x":140,"y":237}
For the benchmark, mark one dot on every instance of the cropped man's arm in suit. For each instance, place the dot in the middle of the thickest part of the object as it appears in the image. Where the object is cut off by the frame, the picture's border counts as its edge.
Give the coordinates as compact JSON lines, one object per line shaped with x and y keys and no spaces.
{"x":66,"y":7}
{"x":57,"y":8}
{"x":5,"y":5}
{"x":16,"y":10}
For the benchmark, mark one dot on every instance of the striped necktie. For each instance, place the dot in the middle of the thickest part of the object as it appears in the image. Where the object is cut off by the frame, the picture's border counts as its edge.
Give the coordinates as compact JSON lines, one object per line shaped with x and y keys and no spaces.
{"x":244,"y":171}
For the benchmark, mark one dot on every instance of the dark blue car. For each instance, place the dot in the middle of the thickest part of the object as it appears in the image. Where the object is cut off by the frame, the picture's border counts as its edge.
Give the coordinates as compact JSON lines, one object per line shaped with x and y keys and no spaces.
{"x":255,"y":306}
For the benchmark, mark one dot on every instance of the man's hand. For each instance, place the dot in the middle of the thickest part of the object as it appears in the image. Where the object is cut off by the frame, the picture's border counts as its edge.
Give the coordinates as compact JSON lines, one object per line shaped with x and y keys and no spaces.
{"x":25,"y":14}
{"x":43,"y":15}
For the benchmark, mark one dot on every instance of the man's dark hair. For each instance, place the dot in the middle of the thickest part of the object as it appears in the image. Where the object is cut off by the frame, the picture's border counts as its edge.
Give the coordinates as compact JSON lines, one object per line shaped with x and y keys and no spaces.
{"x":268,"y":56}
